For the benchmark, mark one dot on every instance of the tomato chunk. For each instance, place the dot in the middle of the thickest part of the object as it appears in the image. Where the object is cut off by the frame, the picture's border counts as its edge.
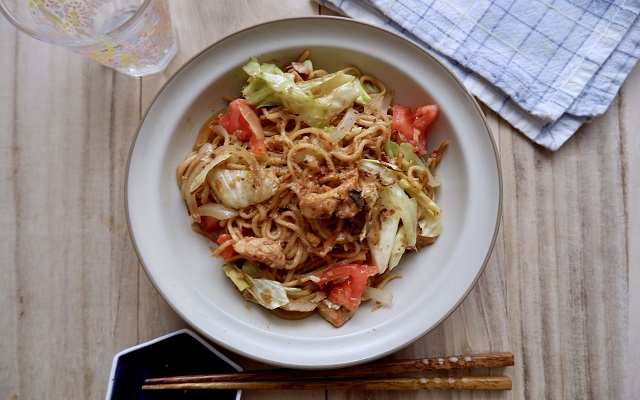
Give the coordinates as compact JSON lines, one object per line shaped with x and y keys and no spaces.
{"x":424,"y":116}
{"x":228,"y":252}
{"x":242,"y":121}
{"x":346,"y":283}
{"x":412,"y":125}
{"x":402,"y":121}
{"x":209,"y":224}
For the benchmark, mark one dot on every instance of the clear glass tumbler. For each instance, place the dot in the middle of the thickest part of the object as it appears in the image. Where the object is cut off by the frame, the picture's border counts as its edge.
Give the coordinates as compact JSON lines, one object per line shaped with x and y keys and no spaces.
{"x":132,"y":36}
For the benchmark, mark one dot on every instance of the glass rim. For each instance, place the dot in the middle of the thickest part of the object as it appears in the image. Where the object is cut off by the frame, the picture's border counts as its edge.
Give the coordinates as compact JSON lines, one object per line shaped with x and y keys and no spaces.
{"x":77,"y":42}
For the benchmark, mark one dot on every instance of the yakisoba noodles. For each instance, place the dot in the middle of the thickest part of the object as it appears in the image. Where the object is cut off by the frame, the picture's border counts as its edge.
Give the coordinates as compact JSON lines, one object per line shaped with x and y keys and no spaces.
{"x":313,"y":185}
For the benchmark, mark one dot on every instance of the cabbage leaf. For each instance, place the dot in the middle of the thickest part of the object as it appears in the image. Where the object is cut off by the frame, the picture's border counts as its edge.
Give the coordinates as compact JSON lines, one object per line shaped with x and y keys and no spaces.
{"x":240,"y":188}
{"x":407,"y":212}
{"x":267,"y":292}
{"x":318,"y":101}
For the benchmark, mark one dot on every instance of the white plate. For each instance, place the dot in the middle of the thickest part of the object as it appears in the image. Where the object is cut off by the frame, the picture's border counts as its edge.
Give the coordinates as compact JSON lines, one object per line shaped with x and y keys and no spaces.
{"x":436,"y":279}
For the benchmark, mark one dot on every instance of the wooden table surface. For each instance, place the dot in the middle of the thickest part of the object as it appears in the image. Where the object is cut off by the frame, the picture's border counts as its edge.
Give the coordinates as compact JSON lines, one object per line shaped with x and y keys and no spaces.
{"x":560,"y":289}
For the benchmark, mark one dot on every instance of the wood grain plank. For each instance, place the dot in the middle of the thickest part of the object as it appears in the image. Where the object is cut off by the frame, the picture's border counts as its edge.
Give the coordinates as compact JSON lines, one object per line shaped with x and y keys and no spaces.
{"x":567,"y":301}
{"x":9,"y":299}
{"x":604,"y":255}
{"x":69,"y":138}
{"x":629,"y":120}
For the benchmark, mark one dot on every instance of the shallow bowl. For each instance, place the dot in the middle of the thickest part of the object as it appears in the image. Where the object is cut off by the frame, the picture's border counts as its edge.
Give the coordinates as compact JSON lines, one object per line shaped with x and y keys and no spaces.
{"x":436,"y":279}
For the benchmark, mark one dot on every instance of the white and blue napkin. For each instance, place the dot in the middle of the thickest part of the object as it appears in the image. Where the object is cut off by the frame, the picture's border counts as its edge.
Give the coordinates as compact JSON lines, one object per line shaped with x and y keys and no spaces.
{"x":545,"y":66}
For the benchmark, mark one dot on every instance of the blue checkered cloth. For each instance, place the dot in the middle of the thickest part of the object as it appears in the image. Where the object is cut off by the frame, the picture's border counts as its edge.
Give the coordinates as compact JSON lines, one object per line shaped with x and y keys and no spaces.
{"x":546,"y":67}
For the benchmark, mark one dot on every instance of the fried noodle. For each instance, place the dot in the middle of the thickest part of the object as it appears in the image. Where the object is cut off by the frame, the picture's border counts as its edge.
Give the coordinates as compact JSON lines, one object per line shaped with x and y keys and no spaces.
{"x":317,"y":196}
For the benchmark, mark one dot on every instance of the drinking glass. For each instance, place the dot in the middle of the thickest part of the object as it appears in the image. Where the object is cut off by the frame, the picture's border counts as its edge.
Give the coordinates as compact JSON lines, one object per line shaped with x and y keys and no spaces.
{"x":132,"y":36}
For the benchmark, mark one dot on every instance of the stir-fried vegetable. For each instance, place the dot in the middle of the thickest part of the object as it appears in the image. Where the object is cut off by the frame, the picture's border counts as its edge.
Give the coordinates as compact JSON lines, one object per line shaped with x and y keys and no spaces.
{"x":413,"y":124}
{"x":318,"y":101}
{"x":268,"y":293}
{"x":242,"y":188}
{"x":242,"y":120}
{"x":406,"y":214}
{"x":317,"y":166}
{"x":347,"y":283}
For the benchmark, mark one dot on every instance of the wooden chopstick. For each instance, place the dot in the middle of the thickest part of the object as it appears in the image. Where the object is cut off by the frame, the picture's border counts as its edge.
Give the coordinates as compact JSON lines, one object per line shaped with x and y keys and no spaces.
{"x":335,"y":378}
{"x":452,"y":383}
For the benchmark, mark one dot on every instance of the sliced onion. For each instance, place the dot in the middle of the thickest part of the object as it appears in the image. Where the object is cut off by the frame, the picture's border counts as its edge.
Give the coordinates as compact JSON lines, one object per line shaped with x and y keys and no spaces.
{"x":434,"y":180}
{"x":206,"y":149}
{"x":344,"y":127}
{"x":299,"y":306}
{"x":202,"y":175}
{"x":189,"y":197}
{"x":386,"y":102}
{"x":379,"y":104}
{"x":377,"y":295}
{"x":217,"y":211}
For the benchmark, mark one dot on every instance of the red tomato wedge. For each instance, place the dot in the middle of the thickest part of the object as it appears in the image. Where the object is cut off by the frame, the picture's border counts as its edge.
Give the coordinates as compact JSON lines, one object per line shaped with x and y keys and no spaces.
{"x":412,"y":125}
{"x":228,"y":252}
{"x":346,"y":283}
{"x":241,"y":120}
{"x":209,"y":224}
{"x":402,"y":121}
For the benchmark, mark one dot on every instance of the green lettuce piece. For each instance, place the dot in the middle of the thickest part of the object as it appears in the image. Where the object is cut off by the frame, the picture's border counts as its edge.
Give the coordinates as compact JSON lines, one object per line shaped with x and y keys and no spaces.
{"x":382,"y":249}
{"x":398,"y":249}
{"x":252,"y":270}
{"x":324,"y":85}
{"x":405,"y":209}
{"x":392,"y":149}
{"x":318,"y":101}
{"x":408,"y":209}
{"x":236,"y":188}
{"x":385,"y":175}
{"x":407,"y":151}
{"x":430,"y":214}
{"x":398,"y":227}
{"x":269,"y":293}
{"x":266,"y":292}
{"x":236,"y":276}
{"x":259,"y":92}
{"x":363,"y":96}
